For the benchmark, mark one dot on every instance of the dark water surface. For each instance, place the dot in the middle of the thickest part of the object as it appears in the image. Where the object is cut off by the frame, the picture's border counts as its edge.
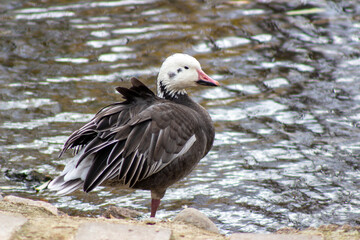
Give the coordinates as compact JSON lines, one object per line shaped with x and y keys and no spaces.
{"x":287,"y":115}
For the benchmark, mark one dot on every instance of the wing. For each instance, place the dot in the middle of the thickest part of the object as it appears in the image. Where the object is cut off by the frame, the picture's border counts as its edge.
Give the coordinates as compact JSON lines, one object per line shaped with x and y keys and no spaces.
{"x":116,"y":114}
{"x":133,"y":140}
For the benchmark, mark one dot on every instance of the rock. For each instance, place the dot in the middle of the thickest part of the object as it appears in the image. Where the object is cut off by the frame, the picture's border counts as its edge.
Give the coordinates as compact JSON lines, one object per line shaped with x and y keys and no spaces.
{"x":254,"y":236}
{"x":109,"y":231}
{"x":10,"y":223}
{"x":196,"y":218}
{"x":41,"y":204}
{"x":121,"y":213}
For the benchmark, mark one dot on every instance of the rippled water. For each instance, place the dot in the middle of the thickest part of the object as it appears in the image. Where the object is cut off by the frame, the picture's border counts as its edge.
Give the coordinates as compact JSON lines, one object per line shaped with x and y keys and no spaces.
{"x":287,"y":115}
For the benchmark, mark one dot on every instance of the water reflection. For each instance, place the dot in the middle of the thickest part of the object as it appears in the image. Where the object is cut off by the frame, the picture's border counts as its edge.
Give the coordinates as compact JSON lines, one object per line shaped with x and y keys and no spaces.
{"x":286,"y":152}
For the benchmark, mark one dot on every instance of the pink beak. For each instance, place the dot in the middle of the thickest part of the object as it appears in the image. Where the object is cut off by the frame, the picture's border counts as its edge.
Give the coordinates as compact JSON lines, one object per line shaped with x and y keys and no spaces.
{"x":205,"y":80}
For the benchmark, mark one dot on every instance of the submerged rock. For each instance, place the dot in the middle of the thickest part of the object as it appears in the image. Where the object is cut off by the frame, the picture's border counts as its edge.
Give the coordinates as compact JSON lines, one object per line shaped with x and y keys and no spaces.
{"x":26,"y":176}
{"x":196,"y":218}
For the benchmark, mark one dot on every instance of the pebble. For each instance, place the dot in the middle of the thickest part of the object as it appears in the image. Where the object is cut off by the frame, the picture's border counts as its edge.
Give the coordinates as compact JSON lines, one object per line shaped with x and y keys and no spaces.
{"x":121,"y":213}
{"x":196,"y":218}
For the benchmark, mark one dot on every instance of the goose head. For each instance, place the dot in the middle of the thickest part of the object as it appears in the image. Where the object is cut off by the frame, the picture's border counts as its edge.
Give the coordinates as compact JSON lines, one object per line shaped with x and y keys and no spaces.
{"x":178,"y":72}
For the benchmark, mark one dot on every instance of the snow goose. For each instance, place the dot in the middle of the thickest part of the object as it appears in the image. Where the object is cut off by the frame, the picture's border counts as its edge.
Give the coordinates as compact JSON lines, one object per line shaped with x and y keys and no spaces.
{"x":145,"y":142}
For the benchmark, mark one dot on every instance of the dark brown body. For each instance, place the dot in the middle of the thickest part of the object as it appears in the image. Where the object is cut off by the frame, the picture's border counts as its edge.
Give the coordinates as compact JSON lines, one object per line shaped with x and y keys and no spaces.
{"x":180,"y":168}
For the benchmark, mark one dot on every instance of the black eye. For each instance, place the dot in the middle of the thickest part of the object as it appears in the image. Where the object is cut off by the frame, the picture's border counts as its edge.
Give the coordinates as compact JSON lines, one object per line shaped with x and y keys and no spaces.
{"x":186,"y":67}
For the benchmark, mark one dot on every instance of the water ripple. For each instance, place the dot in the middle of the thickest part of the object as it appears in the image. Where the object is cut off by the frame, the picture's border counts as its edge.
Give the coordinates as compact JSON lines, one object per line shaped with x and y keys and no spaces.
{"x":61,"y":117}
{"x":27,"y":103}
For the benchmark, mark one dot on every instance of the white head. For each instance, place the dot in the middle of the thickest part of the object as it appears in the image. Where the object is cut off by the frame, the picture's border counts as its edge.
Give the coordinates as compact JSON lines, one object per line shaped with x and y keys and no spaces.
{"x":180,"y":71}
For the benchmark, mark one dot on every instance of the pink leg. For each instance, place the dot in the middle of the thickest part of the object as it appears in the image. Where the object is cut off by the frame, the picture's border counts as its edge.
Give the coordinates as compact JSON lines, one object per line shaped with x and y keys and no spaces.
{"x":154,"y":206}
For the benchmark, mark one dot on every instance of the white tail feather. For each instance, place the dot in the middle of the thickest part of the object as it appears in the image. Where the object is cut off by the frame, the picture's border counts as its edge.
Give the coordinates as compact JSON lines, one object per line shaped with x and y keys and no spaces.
{"x":72,"y":177}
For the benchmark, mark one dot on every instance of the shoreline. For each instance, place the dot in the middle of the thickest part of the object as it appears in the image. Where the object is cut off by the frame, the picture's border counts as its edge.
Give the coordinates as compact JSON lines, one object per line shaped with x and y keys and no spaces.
{"x":22,"y":218}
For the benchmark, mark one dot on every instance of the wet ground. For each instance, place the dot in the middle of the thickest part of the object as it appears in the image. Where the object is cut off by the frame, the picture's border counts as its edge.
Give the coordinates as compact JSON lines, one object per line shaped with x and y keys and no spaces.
{"x":287,"y":115}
